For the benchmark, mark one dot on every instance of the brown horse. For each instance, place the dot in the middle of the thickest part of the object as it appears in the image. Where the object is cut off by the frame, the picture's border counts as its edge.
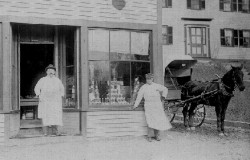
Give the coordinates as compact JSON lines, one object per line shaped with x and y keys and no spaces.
{"x":223,"y":88}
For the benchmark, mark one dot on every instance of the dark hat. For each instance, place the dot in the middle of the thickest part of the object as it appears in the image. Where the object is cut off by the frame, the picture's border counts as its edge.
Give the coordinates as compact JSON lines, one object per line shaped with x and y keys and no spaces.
{"x":149,"y":75}
{"x":50,"y":66}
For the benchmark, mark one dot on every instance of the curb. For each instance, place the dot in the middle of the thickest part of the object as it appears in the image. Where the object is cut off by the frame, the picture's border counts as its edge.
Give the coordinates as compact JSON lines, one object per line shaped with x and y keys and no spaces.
{"x":236,"y":124}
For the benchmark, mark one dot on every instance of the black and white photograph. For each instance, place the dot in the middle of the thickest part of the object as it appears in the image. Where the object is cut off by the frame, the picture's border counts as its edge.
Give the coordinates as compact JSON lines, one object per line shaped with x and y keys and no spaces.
{"x":125,"y":80}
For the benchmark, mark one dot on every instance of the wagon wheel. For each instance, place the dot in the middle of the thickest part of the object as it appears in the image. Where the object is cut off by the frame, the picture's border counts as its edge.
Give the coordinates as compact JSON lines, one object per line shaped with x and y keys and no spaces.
{"x":171,"y":108}
{"x":200,"y":114}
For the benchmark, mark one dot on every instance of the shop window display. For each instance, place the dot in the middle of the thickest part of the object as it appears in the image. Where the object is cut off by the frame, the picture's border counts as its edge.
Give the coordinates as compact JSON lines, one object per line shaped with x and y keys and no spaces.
{"x":115,"y":64}
{"x":69,"y":70}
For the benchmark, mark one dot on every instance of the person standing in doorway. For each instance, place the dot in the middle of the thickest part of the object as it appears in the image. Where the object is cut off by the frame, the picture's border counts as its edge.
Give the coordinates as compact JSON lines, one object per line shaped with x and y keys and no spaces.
{"x":154,"y":111}
{"x":50,"y":91}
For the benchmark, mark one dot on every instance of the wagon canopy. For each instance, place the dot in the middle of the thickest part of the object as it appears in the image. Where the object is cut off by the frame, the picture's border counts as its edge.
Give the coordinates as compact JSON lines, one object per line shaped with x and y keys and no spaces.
{"x":179,"y":65}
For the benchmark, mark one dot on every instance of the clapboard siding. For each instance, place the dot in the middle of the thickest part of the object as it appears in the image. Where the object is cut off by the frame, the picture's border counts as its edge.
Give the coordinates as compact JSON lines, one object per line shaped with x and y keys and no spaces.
{"x":71,"y":123}
{"x":135,"y":11}
{"x":115,"y":124}
{"x":1,"y":128}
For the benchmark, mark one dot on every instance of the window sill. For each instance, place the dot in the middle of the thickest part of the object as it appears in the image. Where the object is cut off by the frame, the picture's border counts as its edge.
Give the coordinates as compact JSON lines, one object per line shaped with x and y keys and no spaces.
{"x":114,"y":108}
{"x":71,"y":110}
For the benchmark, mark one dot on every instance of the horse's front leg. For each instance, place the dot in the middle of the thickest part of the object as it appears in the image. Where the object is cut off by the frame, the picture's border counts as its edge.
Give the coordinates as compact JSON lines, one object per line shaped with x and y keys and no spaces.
{"x":184,"y":112}
{"x":223,"y":114}
{"x":191,"y":112}
{"x":218,"y":115}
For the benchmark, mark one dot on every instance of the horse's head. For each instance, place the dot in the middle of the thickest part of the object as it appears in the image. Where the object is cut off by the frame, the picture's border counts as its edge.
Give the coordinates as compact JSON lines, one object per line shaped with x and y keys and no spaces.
{"x":237,"y":76}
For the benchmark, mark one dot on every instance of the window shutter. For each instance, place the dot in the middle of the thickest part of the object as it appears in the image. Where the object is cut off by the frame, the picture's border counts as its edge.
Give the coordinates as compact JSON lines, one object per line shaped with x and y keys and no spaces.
{"x":221,"y":5}
{"x":202,"y":4}
{"x":170,"y":35}
{"x":222,"y":37}
{"x":240,"y":5}
{"x":236,"y":39}
{"x":241,"y":38}
{"x":188,"y":3}
{"x":169,"y":3}
{"x":234,"y":5}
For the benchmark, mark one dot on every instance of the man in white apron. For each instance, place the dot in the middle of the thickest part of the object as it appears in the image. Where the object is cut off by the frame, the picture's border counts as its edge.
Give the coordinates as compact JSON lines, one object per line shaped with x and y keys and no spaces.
{"x":154,"y":111}
{"x":50,"y":91}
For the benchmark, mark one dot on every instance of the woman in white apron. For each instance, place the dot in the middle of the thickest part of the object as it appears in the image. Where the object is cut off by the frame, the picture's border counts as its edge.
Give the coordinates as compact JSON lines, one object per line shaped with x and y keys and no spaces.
{"x":50,"y":91}
{"x":154,"y":111}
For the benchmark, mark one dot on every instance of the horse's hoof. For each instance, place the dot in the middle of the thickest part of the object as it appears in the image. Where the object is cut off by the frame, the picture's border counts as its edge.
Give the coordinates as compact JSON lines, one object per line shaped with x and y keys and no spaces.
{"x":192,"y":128}
{"x":221,"y":134}
{"x":225,"y":134}
{"x":188,"y":129}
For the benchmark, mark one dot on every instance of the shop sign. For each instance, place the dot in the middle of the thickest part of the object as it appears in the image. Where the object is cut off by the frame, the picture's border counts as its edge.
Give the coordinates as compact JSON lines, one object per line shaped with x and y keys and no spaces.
{"x":119,"y":4}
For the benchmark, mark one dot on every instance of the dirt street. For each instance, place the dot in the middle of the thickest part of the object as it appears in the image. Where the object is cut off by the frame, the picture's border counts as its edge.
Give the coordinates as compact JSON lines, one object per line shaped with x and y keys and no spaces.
{"x":176,"y":144}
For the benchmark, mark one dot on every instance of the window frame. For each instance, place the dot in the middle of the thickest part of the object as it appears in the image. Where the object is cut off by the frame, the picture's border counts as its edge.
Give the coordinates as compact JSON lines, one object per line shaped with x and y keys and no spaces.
{"x":235,"y":6}
{"x":237,"y":40}
{"x":168,"y":35}
{"x":130,"y":61}
{"x":167,"y":3}
{"x":202,"y":4}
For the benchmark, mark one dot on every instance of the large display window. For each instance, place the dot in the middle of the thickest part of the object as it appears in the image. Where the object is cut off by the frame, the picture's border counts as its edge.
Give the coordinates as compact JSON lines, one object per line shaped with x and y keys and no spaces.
{"x":116,"y":59}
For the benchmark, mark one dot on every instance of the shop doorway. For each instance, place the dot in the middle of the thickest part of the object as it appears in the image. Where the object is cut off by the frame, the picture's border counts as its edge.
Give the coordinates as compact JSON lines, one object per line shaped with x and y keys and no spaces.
{"x":33,"y":60}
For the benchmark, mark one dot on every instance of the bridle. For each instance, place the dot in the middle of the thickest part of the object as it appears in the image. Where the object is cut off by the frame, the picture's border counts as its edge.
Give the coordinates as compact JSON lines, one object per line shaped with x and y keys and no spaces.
{"x":224,"y":86}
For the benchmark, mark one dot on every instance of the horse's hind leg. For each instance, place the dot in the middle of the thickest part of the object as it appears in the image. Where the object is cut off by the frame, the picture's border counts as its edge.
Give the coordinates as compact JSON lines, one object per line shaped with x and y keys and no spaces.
{"x":184,"y":112}
{"x":223,"y":114}
{"x":191,"y":115}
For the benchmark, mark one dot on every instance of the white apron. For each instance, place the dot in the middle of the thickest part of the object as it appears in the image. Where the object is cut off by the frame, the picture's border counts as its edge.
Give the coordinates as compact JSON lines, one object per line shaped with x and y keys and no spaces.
{"x":50,"y":92}
{"x":154,"y":111}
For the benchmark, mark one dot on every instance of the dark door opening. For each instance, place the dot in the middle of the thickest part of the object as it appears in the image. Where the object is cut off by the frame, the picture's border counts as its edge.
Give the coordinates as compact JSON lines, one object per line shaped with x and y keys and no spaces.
{"x":33,"y":60}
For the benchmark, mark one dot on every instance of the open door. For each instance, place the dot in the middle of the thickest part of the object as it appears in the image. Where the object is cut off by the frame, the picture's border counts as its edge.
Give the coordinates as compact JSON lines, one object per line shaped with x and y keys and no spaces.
{"x":33,"y":60}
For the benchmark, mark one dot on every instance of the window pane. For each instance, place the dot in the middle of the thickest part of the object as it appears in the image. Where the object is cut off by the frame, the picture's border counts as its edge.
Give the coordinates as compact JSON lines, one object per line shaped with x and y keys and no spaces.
{"x":98,"y":82}
{"x":71,"y":78}
{"x":245,"y":6}
{"x":164,"y":5}
{"x":246,"y":39}
{"x":98,"y":44}
{"x":228,"y":37}
{"x":119,"y":45}
{"x":198,"y":31}
{"x":120,"y":91}
{"x":140,"y":45}
{"x":198,"y":40}
{"x":164,"y":29}
{"x":227,"y":5}
{"x":164,"y":39}
{"x":139,"y":69}
{"x":195,"y":4}
{"x":204,"y":36}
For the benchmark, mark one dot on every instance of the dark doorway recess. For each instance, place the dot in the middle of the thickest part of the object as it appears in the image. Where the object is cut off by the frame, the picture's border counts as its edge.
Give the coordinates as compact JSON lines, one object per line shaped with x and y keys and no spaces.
{"x":33,"y":60}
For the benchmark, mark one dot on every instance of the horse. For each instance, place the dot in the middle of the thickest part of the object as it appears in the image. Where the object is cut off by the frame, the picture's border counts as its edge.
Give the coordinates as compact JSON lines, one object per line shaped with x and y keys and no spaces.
{"x":223,"y":92}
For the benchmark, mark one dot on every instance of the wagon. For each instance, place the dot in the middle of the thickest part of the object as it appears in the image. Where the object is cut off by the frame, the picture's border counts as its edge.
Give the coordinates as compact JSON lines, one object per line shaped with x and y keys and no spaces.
{"x":172,"y":107}
{"x":178,"y":71}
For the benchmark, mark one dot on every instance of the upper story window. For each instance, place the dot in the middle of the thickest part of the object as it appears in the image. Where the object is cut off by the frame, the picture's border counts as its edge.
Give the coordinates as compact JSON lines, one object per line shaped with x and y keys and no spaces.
{"x":235,"y":38}
{"x":196,"y":4}
{"x":167,"y":35}
{"x":166,"y":3}
{"x":235,"y":5}
{"x":244,"y":6}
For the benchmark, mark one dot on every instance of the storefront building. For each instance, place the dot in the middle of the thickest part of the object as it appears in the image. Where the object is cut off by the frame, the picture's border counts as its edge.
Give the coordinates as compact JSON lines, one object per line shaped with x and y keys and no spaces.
{"x":98,"y":48}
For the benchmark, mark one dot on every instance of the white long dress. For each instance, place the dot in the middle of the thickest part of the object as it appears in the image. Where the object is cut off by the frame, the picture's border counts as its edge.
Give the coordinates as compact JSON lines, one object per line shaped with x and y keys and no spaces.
{"x":50,"y":91}
{"x":154,"y":111}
